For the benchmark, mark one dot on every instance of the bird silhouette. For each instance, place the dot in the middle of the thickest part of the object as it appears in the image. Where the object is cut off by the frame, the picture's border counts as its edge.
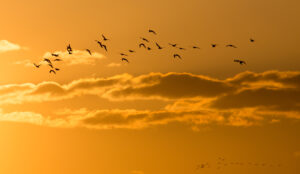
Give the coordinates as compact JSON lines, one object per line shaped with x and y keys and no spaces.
{"x":152,"y":31}
{"x":195,"y":47}
{"x":124,"y":59}
{"x":230,"y":45}
{"x":55,"y":55}
{"x":37,"y":66}
{"x":100,"y":43}
{"x":131,"y":51}
{"x":57,"y":69}
{"x":148,"y":48}
{"x":104,"y":46}
{"x":50,"y":65}
{"x":122,"y":54}
{"x":177,"y":55}
{"x":181,"y":48}
{"x":252,"y":40}
{"x":69,"y":49}
{"x":47,"y":60}
{"x":52,"y":71}
{"x":57,"y":60}
{"x":158,"y":46}
{"x":173,"y":45}
{"x":89,"y":51}
{"x":142,"y":45}
{"x":241,"y":62}
{"x":104,"y":38}
{"x":144,"y":39}
{"x":213,"y":45}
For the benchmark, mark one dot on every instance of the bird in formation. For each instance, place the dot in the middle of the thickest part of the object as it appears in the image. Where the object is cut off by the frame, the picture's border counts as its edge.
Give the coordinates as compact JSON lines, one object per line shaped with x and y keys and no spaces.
{"x":241,"y":62}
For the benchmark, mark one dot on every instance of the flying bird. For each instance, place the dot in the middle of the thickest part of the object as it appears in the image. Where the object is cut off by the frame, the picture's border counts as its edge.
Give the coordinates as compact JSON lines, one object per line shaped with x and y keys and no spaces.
{"x":57,"y":60}
{"x":132,"y":51}
{"x":173,"y":45}
{"x":158,"y":46}
{"x":47,"y":60}
{"x":104,"y":38}
{"x":50,"y":65}
{"x":177,"y":55}
{"x":252,"y":40}
{"x":144,"y":39}
{"x":142,"y":45}
{"x":100,"y":44}
{"x":213,"y":45}
{"x":124,"y":59}
{"x":104,"y":46}
{"x":55,"y":55}
{"x":89,"y":51}
{"x":241,"y":62}
{"x":152,"y":31}
{"x":52,"y":71}
{"x":230,"y":45}
{"x":57,"y":69}
{"x":181,"y":48}
{"x":195,"y":47}
{"x":122,"y":54}
{"x":148,"y":48}
{"x":37,"y":66}
{"x":69,"y":49}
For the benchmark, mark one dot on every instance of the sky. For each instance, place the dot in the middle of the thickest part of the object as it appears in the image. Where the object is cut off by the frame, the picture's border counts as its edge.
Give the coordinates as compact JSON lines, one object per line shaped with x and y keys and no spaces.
{"x":203,"y":113}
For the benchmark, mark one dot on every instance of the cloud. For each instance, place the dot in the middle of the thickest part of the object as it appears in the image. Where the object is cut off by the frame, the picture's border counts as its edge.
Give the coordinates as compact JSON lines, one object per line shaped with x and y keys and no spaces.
{"x":247,"y":99}
{"x":77,"y":57}
{"x":113,"y":65}
{"x":171,"y":86}
{"x":6,"y":46}
{"x":26,"y":63}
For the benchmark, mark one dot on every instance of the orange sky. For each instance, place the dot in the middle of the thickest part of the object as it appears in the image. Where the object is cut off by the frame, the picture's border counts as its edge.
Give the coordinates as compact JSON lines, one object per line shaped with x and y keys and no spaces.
{"x":157,"y":114}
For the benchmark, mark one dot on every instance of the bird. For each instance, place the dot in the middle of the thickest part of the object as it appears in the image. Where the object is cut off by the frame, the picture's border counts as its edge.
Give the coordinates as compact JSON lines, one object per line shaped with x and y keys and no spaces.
{"x":142,"y":45}
{"x":69,"y":49}
{"x":173,"y":45}
{"x":144,"y":39}
{"x":37,"y":66}
{"x":104,"y":46}
{"x":252,"y":40}
{"x":181,"y":48}
{"x":100,"y":44}
{"x":230,"y":45}
{"x":195,"y":47}
{"x":52,"y":71}
{"x":57,"y":60}
{"x":152,"y":31}
{"x":148,"y":48}
{"x":55,"y":55}
{"x":47,"y":60}
{"x":132,"y":51}
{"x":177,"y":55}
{"x":57,"y":69}
{"x":124,"y":59}
{"x":122,"y":54}
{"x":158,"y":46}
{"x":89,"y":51}
{"x":50,"y":65}
{"x":241,"y":62}
{"x":104,"y":38}
{"x":213,"y":45}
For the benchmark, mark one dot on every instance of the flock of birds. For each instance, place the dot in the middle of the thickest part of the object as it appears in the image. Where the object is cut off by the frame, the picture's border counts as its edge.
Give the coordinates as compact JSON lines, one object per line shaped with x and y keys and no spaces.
{"x":124,"y":56}
{"x":222,"y":163}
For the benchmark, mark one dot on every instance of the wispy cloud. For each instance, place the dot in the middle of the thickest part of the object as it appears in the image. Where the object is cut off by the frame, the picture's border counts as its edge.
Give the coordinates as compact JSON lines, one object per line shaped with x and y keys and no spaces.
{"x":113,"y":65}
{"x":6,"y":46}
{"x":77,"y":57}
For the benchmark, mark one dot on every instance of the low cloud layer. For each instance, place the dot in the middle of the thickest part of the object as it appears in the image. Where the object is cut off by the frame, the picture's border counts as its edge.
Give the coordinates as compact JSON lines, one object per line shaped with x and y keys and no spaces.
{"x":247,"y":99}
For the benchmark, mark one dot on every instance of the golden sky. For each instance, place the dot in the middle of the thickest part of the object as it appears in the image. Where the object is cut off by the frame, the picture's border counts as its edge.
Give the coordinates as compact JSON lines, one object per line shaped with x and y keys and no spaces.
{"x":156,"y":114}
